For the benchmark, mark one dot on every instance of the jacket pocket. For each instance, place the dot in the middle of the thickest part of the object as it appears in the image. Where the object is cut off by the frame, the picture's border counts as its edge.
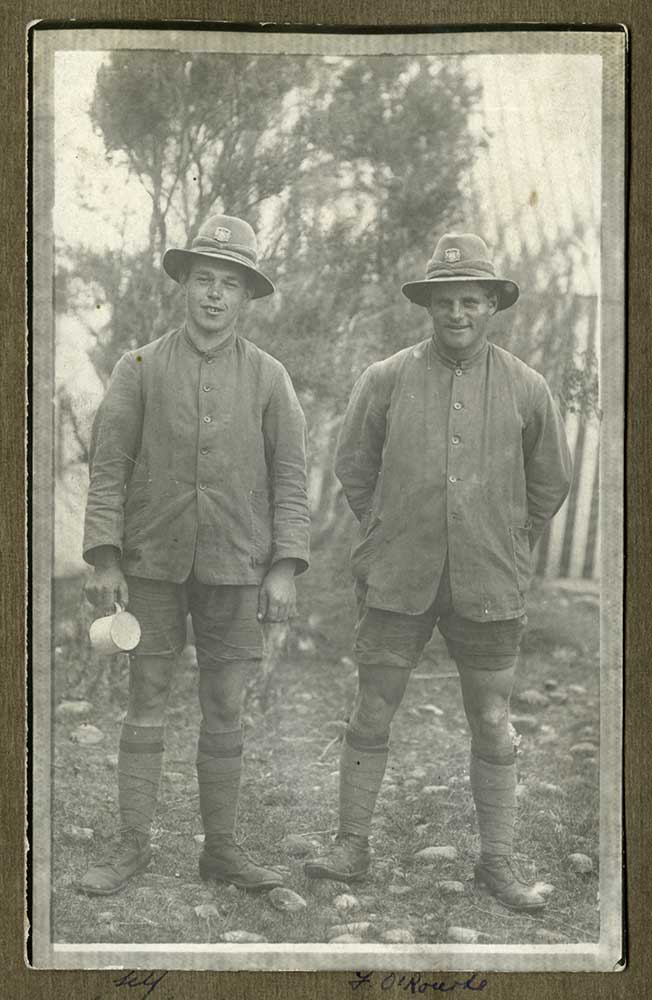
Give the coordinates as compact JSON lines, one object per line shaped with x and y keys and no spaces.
{"x":522,"y":556}
{"x":261,"y":527}
{"x":363,"y":553}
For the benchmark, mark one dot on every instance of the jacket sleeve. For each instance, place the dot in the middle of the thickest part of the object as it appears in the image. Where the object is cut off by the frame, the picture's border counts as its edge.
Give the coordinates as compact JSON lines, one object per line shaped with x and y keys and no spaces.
{"x":284,"y":431}
{"x":115,"y":441}
{"x":548,"y":464}
{"x":362,"y":437}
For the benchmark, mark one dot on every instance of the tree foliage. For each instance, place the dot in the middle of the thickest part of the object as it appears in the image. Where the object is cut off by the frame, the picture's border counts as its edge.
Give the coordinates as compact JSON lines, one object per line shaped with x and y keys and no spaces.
{"x":339,"y":164}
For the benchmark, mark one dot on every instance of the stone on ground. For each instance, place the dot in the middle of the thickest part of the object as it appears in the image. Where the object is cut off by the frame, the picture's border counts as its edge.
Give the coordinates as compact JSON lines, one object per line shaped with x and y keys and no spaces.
{"x":584,"y":749}
{"x":462,"y":935}
{"x":558,"y":697}
{"x":358,"y":927}
{"x":400,"y":890}
{"x":287,"y":900}
{"x":243,"y":937}
{"x":445,"y":853}
{"x":434,"y":789}
{"x":550,"y":684}
{"x":532,"y":698}
{"x":206,"y":910}
{"x":81,"y":834}
{"x":298,"y":845}
{"x":450,"y":886}
{"x":525,"y":723}
{"x":577,"y":689}
{"x":398,"y":935}
{"x":580,"y":863}
{"x":549,"y":937}
{"x":431,"y":709}
{"x":345,"y":901}
{"x":69,"y":710}
{"x":548,"y":786}
{"x":199,"y":838}
{"x":87,"y":735}
{"x":544,"y":889}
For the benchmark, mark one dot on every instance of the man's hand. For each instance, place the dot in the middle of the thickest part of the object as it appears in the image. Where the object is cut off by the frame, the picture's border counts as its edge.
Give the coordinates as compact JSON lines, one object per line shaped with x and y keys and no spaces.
{"x":107,"y":586}
{"x":277,"y":595}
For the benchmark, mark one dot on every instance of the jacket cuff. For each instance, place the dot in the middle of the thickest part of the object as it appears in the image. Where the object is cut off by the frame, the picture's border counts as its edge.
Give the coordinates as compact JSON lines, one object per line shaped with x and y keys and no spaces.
{"x":93,"y":543}
{"x":300,"y":556}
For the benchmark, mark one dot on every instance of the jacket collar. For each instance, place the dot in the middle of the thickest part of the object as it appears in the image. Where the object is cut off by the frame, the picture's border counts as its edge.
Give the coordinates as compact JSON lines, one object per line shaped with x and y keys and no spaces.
{"x":189,"y":342}
{"x":437,"y":355}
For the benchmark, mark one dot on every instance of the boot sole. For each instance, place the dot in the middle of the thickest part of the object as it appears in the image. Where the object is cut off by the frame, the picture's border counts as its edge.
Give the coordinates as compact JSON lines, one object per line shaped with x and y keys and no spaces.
{"x":92,"y":891}
{"x":486,"y":889}
{"x":207,"y":874}
{"x":314,"y":870}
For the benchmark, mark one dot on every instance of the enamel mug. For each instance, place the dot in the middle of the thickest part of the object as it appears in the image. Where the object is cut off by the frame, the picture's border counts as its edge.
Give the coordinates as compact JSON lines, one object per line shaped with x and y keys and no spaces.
{"x":117,"y":633}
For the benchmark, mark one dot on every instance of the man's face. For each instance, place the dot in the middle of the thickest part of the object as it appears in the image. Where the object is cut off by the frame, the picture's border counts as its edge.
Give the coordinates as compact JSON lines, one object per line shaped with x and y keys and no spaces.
{"x":216,"y":291}
{"x":461,"y":312}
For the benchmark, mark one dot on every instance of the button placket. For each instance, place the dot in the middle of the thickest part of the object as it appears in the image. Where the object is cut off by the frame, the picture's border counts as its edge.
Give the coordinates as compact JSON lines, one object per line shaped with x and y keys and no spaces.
{"x":455,"y":436}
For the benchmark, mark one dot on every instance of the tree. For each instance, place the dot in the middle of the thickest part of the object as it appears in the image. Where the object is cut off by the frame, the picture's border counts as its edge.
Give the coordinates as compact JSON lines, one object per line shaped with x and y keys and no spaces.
{"x":346,"y":167}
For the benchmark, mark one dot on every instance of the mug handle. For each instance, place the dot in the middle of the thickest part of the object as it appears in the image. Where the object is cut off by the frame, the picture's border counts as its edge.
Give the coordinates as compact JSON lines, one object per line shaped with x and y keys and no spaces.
{"x":118,"y":608}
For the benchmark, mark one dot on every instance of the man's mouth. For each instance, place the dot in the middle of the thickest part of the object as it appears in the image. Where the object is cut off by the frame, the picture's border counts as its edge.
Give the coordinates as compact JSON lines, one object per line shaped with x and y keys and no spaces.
{"x":213,"y":310}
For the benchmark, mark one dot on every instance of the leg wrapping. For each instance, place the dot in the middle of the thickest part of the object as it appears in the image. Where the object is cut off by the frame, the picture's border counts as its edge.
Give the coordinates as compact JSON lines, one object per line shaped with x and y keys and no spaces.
{"x":494,"y":792}
{"x":140,"y":758}
{"x":362,"y":767}
{"x":219,"y":768}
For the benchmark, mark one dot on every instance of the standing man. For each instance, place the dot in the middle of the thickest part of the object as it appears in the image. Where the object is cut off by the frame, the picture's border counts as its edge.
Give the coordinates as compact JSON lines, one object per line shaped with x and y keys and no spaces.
{"x":197,"y":503}
{"x":453,"y":458}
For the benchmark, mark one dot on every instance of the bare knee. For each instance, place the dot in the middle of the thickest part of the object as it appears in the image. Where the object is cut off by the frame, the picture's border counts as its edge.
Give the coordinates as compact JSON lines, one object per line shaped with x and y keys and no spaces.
{"x":377,"y":701}
{"x":489,"y":725}
{"x":149,"y":687}
{"x":220,"y":699}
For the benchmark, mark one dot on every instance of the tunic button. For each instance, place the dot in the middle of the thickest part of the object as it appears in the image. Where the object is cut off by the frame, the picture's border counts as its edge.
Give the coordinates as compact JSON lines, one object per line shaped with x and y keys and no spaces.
{"x":207,"y":420}
{"x":458,"y":371}
{"x":209,"y":361}
{"x":452,"y":479}
{"x":202,"y":486}
{"x":457,"y":406}
{"x":455,"y":439}
{"x":203,"y":451}
{"x":207,"y":388}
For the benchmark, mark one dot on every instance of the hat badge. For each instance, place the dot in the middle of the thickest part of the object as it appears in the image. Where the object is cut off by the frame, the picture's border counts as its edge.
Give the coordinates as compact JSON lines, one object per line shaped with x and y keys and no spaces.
{"x":222,"y":234}
{"x":452,"y":255}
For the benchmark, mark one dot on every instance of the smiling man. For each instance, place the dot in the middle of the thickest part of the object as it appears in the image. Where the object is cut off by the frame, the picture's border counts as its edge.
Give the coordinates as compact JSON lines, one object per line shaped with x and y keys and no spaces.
{"x":197,"y":503}
{"x":453,"y":457}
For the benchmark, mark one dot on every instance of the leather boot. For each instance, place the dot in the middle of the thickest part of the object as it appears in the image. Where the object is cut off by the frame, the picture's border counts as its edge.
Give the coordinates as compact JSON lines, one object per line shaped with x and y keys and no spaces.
{"x":129,"y":856}
{"x":500,"y":877}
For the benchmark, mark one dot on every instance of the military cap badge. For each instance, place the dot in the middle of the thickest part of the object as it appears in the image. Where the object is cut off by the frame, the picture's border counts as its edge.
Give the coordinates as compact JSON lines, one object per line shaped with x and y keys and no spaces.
{"x":452,"y":255}
{"x":222,"y":235}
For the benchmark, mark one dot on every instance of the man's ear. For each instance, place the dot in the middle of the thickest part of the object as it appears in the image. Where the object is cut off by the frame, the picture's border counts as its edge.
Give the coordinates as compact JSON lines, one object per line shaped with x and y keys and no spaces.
{"x":493,"y":302}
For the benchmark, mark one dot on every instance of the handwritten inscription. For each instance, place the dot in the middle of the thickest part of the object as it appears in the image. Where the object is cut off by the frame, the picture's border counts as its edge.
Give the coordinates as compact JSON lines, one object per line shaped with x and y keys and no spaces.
{"x":144,"y":982}
{"x":414,"y":982}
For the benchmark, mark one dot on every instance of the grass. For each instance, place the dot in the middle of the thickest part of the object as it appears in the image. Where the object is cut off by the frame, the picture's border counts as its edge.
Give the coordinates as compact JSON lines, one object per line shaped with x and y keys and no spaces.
{"x":290,"y":786}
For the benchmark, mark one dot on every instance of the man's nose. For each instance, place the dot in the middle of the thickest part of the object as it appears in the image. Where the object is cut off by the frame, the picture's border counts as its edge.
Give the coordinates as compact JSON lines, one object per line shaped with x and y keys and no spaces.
{"x":456,"y":308}
{"x":214,"y":291}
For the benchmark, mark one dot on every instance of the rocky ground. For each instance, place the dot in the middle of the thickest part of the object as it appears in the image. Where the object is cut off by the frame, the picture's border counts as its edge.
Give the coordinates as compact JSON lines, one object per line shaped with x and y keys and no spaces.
{"x":425,"y":841}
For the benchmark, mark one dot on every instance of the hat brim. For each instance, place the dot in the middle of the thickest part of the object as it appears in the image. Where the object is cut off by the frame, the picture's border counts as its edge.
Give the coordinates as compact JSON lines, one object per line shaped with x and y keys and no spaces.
{"x":420,"y":292}
{"x":175,"y":262}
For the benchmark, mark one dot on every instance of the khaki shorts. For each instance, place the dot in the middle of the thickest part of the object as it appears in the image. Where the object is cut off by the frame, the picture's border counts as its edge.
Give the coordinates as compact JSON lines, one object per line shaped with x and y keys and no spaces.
{"x":393,"y":639}
{"x":223,"y":619}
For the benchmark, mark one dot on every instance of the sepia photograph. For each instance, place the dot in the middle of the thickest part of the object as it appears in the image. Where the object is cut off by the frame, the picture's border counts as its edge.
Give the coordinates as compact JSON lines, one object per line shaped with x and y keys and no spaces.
{"x":327,"y":352}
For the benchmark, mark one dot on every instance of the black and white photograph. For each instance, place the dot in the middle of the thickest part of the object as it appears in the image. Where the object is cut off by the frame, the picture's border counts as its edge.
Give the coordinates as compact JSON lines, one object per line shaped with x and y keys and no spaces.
{"x":327,"y":403}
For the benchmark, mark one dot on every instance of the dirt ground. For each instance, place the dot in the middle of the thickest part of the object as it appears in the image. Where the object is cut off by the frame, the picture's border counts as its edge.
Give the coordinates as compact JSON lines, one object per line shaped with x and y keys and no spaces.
{"x":290,"y":788}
